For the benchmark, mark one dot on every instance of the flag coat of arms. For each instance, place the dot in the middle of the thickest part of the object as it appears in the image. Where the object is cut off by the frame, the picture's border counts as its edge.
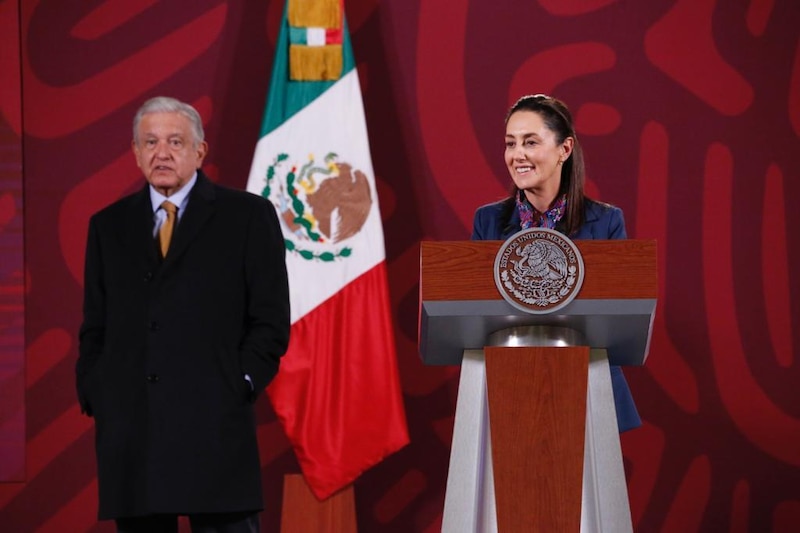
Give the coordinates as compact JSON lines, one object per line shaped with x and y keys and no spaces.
{"x":338,"y":393}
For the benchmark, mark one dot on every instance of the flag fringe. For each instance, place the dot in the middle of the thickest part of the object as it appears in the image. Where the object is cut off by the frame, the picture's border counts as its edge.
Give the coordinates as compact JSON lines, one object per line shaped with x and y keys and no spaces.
{"x":315,"y":63}
{"x":315,"y":13}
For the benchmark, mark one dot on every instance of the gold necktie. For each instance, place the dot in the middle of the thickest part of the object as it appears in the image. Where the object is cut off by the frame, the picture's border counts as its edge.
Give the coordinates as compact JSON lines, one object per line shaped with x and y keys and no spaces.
{"x":165,"y":231}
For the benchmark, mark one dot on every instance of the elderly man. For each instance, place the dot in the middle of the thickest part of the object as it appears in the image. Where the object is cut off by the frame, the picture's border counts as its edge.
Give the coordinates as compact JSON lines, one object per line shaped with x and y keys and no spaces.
{"x":185,"y":318}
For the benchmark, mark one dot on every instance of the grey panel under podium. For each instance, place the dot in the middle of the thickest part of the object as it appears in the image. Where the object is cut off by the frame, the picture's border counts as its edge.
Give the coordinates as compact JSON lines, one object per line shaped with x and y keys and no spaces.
{"x":461,"y":306}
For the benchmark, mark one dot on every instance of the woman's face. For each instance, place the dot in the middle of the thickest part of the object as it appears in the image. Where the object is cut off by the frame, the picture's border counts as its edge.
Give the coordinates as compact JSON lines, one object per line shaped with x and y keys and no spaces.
{"x":533,"y":155}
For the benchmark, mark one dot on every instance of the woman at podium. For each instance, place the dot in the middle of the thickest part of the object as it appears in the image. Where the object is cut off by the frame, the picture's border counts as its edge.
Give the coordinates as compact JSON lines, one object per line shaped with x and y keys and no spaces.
{"x":545,"y":161}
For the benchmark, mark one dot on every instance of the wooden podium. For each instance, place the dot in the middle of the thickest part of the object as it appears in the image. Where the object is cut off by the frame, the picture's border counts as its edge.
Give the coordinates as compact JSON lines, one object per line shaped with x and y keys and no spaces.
{"x":535,"y":440}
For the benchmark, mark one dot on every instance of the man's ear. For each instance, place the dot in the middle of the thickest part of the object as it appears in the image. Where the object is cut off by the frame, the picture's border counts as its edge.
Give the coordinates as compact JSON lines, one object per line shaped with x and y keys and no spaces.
{"x":202,"y":150}
{"x":135,"y":149}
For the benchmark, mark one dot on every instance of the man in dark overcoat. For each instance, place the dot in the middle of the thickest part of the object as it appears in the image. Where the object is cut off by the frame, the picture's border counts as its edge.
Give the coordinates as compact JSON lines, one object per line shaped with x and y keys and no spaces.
{"x":185,"y":318}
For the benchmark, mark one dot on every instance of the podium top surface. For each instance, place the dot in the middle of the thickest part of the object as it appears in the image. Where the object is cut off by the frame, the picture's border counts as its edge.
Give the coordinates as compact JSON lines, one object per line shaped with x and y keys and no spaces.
{"x":460,"y":305}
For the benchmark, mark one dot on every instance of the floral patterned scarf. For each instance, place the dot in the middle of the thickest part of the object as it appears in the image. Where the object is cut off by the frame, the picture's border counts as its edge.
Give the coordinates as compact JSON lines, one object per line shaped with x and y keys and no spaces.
{"x":529,"y":217}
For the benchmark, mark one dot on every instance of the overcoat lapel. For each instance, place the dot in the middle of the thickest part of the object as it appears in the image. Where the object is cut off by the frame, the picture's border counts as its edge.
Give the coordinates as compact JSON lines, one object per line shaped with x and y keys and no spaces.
{"x":199,"y":211}
{"x":139,"y":230}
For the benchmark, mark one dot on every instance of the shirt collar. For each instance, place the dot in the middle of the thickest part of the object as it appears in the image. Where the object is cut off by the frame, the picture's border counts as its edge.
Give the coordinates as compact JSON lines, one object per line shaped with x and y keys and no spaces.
{"x":180,"y":198}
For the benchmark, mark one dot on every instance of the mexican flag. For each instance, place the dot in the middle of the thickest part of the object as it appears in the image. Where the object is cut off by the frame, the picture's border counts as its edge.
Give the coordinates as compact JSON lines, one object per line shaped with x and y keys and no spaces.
{"x":338,"y":392}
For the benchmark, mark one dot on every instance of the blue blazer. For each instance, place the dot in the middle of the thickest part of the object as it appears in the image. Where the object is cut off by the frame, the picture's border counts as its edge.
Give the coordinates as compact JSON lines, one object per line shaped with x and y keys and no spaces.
{"x":602,"y":221}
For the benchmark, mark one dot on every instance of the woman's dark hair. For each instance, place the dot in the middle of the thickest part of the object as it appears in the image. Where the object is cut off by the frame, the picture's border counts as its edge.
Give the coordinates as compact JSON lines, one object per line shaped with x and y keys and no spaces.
{"x":558,"y":119}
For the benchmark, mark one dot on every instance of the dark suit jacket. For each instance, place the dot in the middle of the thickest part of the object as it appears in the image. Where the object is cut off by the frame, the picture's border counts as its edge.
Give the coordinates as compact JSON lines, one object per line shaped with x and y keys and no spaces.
{"x":164,"y":346}
{"x":603,"y":221}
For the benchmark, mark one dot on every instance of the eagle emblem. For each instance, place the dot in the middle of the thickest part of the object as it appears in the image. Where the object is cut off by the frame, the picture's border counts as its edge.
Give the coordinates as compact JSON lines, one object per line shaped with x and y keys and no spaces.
{"x":321,"y":205}
{"x":538,"y":270}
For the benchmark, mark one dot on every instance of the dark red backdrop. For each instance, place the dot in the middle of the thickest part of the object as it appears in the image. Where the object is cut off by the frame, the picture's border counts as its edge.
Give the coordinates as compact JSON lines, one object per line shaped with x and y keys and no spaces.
{"x":689,"y":112}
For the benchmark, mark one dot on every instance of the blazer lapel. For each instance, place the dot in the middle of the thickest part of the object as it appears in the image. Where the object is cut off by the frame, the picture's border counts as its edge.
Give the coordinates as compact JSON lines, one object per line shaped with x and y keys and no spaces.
{"x":513,"y":225}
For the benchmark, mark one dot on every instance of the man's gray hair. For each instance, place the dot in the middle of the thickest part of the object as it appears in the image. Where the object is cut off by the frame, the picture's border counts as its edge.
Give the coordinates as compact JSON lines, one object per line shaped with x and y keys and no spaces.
{"x":165,"y":104}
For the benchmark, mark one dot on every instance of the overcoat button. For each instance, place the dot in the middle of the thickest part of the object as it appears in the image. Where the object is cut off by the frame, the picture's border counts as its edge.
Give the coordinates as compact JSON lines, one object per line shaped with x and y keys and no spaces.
{"x":154,"y":326}
{"x":148,"y":276}
{"x":152,"y":378}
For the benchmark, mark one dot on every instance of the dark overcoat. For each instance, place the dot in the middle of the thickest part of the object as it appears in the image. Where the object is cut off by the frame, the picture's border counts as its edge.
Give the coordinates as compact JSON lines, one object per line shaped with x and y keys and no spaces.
{"x":165,"y":345}
{"x":602,"y":221}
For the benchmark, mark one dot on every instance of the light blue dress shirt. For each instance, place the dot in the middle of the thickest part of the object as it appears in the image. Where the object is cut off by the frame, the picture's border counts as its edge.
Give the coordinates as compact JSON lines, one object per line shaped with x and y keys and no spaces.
{"x":180,"y":199}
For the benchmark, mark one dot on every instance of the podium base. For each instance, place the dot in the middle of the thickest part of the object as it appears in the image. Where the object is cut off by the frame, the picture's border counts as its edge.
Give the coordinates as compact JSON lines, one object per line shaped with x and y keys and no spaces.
{"x":470,"y":500}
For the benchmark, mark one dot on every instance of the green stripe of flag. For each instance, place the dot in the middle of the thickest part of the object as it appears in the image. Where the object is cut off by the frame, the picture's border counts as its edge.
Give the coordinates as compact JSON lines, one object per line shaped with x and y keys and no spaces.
{"x":287,"y":97}
{"x":298,"y":35}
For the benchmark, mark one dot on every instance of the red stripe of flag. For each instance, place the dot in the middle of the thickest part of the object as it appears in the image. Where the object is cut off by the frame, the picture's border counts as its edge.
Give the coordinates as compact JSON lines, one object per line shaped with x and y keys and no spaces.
{"x":342,"y":416}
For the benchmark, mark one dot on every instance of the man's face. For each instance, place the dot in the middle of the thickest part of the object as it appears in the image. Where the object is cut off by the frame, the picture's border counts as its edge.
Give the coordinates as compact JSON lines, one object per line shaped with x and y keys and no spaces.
{"x":166,"y":151}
